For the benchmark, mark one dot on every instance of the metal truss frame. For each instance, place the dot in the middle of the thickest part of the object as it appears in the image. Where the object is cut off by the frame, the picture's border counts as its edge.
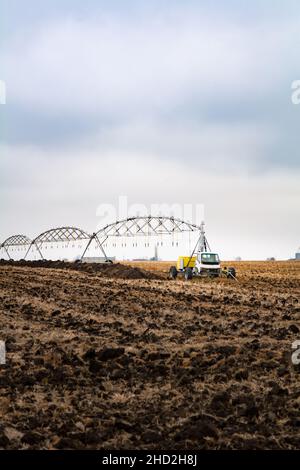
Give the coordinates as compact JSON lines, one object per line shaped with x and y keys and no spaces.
{"x":58,"y":235}
{"x":13,"y":241}
{"x":130,"y":227}
{"x":145,"y":226}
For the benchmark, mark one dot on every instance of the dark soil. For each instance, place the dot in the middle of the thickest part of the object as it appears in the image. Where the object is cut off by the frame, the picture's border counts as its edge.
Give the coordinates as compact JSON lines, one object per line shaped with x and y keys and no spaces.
{"x":119,"y":270}
{"x":98,"y":362}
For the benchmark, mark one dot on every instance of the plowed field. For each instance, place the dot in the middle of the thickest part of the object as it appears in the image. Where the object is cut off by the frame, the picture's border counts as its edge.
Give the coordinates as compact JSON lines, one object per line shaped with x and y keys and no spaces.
{"x":134,"y":361}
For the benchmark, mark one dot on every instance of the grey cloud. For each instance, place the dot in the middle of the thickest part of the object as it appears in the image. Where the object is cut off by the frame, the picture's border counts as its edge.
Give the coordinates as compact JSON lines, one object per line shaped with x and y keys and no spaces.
{"x":84,"y":78}
{"x":189,"y":103}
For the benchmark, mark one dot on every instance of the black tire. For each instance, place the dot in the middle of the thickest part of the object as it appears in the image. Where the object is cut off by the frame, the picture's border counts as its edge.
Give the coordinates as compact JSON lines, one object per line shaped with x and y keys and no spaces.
{"x":231,"y":273}
{"x":188,"y":274}
{"x":173,"y":272}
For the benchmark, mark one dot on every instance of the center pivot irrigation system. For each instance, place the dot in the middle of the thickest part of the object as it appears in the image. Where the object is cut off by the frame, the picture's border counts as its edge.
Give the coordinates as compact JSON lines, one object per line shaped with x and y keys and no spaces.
{"x":202,"y":262}
{"x":131,"y":227}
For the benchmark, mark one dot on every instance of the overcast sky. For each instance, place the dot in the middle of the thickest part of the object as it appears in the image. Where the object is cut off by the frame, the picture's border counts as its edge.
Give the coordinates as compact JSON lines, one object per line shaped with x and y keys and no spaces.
{"x":162,"y":101}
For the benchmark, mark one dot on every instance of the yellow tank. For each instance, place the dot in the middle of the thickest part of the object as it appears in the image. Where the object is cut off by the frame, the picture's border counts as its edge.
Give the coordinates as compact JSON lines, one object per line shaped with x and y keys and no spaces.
{"x":183,"y":261}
